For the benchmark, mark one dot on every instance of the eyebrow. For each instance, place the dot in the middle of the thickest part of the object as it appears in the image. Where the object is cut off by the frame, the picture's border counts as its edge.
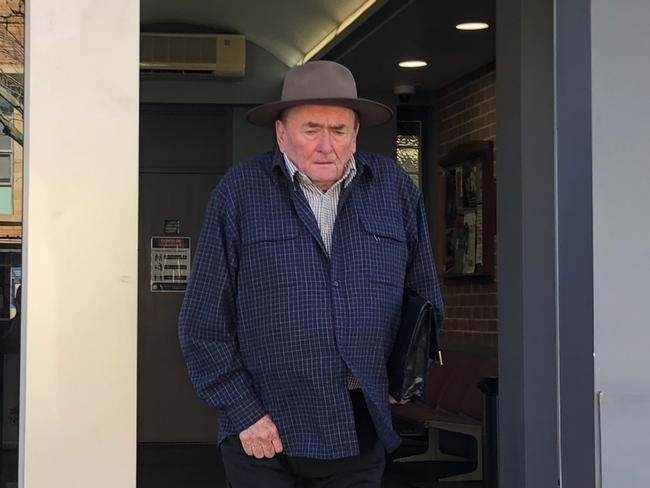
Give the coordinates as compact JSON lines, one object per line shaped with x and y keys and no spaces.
{"x":314,"y":125}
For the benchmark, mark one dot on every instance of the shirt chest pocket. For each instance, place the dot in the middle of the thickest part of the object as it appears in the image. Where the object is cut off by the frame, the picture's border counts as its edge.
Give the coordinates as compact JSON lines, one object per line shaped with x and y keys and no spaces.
{"x":383,"y":249}
{"x":269,"y":255}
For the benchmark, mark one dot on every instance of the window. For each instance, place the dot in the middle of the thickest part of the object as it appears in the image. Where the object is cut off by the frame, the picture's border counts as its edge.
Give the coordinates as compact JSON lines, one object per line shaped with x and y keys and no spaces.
{"x":6,"y":175}
{"x":409,"y":147}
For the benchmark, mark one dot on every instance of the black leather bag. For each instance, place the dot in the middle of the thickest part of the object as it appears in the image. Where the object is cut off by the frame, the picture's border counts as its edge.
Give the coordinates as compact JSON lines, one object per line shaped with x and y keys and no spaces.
{"x":415,"y":344}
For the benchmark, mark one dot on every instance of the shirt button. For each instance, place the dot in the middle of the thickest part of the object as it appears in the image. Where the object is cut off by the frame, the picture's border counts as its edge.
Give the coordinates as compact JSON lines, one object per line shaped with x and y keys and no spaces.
{"x":336,"y":283}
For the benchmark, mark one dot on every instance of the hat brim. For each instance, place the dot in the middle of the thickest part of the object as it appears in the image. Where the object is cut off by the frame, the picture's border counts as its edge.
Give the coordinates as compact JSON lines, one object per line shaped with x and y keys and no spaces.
{"x":370,"y":113}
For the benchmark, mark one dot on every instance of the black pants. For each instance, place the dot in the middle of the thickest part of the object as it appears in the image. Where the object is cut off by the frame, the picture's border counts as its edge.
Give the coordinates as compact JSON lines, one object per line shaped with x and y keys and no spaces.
{"x":362,"y":471}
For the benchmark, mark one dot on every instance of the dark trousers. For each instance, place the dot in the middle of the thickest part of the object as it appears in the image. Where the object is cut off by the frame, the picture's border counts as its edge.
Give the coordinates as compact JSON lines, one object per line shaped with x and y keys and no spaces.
{"x":362,"y":471}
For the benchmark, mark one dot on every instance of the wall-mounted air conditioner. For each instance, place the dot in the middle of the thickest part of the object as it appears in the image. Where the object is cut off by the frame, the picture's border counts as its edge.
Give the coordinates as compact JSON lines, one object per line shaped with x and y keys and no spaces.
{"x":219,"y":54}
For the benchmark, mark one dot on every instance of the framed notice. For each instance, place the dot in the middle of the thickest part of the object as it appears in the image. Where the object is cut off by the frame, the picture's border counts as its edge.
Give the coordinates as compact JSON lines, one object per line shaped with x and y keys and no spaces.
{"x":469,"y":212}
{"x":170,"y":263}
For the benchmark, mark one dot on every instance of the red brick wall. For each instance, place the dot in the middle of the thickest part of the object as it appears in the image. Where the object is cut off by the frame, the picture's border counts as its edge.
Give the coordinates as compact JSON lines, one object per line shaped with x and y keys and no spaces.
{"x":470,"y":316}
{"x":12,"y":20}
{"x":12,"y":40}
{"x":467,"y":111}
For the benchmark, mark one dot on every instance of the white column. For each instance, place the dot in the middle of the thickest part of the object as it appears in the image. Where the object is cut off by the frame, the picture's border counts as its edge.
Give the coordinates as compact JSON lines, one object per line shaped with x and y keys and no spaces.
{"x":78,"y":417}
{"x":621,"y":206}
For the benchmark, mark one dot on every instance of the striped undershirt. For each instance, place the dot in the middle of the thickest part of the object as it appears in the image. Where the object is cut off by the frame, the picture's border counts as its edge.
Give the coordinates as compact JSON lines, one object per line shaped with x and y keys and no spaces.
{"x":324,"y":206}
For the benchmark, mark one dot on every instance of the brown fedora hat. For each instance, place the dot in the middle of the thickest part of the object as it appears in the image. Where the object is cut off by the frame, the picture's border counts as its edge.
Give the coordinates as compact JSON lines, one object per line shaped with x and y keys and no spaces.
{"x":320,"y":83}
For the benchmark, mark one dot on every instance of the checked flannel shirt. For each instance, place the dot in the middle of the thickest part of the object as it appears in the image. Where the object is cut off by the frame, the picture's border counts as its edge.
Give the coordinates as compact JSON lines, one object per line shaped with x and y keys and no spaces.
{"x":273,"y":324}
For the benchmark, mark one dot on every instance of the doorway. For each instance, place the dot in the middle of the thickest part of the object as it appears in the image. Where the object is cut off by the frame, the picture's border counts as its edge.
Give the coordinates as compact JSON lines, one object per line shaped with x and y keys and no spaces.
{"x":456,"y":105}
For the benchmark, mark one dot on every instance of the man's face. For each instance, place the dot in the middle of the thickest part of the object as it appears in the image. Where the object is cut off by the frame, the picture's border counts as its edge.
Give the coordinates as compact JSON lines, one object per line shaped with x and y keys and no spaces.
{"x":319,"y":140}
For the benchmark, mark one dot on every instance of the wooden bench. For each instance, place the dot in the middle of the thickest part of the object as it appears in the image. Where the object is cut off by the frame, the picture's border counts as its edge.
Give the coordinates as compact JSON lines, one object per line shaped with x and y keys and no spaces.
{"x":452,"y":402}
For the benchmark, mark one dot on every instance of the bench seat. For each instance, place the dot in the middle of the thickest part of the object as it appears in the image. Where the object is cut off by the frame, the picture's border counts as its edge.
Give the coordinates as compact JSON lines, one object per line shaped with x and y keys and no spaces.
{"x":452,"y":402}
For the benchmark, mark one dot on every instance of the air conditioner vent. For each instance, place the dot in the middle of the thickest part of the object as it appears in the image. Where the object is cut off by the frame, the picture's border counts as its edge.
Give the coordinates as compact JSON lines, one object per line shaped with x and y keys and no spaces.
{"x":221,"y":54}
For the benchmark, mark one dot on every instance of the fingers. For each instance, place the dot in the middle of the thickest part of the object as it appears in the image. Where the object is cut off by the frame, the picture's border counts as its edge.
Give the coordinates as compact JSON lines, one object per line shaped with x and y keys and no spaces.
{"x":247,"y":446}
{"x":261,"y":439}
{"x":277,"y":444}
{"x":392,"y":401}
{"x":258,"y":450}
{"x":268,"y":450}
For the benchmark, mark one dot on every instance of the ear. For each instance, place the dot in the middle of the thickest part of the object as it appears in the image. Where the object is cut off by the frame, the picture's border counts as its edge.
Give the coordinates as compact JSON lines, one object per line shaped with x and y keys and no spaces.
{"x":354,"y":139}
{"x":280,"y":135}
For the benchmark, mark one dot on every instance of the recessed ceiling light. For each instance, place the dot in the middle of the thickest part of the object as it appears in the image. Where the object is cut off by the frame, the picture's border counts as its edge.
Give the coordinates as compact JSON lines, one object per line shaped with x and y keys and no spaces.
{"x":414,"y":63}
{"x":471,"y":26}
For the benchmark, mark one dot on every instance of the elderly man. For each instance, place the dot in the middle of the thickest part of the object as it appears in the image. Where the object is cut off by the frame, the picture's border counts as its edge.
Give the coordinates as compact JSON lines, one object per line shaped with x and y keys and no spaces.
{"x":296,"y":292}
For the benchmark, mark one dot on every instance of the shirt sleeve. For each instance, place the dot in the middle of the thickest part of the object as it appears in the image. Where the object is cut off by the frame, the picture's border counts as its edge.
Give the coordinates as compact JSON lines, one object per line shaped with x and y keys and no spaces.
{"x":207,"y":321}
{"x":421,"y":274}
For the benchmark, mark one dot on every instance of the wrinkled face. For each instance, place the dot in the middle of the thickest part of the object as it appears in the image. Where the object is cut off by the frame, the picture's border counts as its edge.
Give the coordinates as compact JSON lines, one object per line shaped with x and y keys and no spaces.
{"x":319,"y":140}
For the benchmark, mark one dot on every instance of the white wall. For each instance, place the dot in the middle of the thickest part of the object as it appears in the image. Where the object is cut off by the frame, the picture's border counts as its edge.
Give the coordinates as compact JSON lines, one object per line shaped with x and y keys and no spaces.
{"x":621,"y":205}
{"x":79,"y":337}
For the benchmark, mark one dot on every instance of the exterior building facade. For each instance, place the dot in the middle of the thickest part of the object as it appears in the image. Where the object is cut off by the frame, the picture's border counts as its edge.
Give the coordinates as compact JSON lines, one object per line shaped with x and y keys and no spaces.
{"x":12,"y":41}
{"x":573,"y":250}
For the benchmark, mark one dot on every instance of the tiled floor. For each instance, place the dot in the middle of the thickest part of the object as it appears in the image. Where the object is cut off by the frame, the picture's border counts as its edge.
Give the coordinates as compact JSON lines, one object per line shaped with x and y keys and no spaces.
{"x":192,"y":466}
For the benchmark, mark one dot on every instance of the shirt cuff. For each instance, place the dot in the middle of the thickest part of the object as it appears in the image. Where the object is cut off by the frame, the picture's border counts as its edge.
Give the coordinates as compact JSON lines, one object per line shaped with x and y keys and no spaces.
{"x":246,"y":412}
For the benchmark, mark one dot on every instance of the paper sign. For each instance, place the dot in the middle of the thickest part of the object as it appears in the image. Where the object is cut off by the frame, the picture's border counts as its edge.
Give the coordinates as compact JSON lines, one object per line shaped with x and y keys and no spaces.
{"x":170,"y":263}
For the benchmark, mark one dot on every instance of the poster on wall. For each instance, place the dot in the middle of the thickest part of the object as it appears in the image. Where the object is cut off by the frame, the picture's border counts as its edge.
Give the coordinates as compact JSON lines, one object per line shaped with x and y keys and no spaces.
{"x":469,"y":259}
{"x":468,"y":209}
{"x":170,"y":263}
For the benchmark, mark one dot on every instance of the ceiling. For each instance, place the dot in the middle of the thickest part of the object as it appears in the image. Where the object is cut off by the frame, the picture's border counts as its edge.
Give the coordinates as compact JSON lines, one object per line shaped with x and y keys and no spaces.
{"x":288,"y":29}
{"x":391,"y":30}
{"x":424,"y":29}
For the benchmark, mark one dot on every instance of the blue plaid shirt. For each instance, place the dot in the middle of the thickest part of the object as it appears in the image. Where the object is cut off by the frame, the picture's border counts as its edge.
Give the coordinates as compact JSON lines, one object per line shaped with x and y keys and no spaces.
{"x":271,"y":321}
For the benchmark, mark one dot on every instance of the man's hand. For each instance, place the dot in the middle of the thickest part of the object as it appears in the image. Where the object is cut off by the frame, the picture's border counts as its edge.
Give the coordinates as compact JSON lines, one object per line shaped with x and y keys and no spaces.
{"x":392,"y":401}
{"x":261,"y":439}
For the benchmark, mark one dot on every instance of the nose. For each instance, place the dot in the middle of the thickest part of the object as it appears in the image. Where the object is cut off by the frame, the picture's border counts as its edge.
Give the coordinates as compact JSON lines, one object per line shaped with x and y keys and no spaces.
{"x":325,"y":142}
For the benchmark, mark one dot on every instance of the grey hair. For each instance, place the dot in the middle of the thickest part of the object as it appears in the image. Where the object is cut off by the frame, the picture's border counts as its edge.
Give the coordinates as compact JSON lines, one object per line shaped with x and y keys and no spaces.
{"x":285,"y":113}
